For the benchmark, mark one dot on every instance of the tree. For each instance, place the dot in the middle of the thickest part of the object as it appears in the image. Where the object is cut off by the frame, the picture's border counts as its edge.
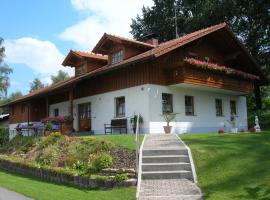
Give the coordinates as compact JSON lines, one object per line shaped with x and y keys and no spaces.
{"x":36,"y":84}
{"x":61,"y":76}
{"x":15,"y":95}
{"x":248,"y":19}
{"x":5,"y":70}
{"x":11,"y":97}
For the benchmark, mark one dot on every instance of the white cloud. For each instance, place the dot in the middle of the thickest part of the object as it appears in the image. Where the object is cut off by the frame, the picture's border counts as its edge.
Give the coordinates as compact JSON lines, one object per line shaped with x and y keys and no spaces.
{"x":105,"y":16}
{"x":42,"y":57}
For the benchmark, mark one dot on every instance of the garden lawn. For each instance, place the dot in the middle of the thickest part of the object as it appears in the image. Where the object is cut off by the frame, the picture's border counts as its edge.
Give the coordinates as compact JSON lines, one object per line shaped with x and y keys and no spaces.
{"x":40,"y":190}
{"x":232,"y":166}
{"x":122,"y":140}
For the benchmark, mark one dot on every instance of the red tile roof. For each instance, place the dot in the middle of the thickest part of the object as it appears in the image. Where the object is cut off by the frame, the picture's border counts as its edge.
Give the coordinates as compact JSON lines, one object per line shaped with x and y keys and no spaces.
{"x":155,"y":51}
{"x":85,"y":54}
{"x":89,"y":54}
{"x":120,"y":38}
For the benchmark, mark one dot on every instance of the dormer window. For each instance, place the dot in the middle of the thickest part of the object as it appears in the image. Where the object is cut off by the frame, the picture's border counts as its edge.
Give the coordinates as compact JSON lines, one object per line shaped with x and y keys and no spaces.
{"x":80,"y":70}
{"x":117,"y":57}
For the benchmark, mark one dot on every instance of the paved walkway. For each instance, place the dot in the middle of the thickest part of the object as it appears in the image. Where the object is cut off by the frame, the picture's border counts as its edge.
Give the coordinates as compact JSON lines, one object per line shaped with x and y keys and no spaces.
{"x":165,"y":187}
{"x":10,"y":195}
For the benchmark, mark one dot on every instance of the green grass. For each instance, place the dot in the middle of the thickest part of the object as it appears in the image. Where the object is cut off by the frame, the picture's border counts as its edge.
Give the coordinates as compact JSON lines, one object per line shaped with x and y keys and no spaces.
{"x":232,"y":166}
{"x":122,"y":140}
{"x":39,"y":190}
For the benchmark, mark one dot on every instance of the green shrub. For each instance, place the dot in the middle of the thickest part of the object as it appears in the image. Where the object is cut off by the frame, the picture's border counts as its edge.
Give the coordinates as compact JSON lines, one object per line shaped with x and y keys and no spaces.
{"x":79,"y":165}
{"x":48,"y":126}
{"x":102,"y":145}
{"x":101,"y":161}
{"x":101,"y":179}
{"x":49,"y":155}
{"x":19,"y":144}
{"x":119,"y":178}
{"x":51,"y":139}
{"x":4,"y":136}
{"x":264,"y":120}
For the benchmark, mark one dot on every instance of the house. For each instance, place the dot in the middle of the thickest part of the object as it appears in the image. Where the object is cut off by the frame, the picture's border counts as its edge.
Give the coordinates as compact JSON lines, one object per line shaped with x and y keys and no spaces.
{"x":204,"y":76}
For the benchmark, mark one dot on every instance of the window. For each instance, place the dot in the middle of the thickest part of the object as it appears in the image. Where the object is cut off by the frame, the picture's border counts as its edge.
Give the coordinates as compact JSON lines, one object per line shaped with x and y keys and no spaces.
{"x":219,"y":109}
{"x":56,"y":112}
{"x":117,"y":57}
{"x":233,"y":107}
{"x":80,"y":70}
{"x":189,"y":105}
{"x":167,"y":103}
{"x":22,"y":108}
{"x":120,"y":106}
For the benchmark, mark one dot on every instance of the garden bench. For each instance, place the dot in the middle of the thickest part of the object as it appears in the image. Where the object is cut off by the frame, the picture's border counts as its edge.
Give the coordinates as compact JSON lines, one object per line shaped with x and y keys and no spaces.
{"x":120,"y":124}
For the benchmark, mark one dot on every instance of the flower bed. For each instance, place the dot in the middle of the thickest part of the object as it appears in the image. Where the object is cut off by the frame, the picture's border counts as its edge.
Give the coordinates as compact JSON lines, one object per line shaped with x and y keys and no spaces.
{"x":86,"y":162}
{"x":222,"y":69}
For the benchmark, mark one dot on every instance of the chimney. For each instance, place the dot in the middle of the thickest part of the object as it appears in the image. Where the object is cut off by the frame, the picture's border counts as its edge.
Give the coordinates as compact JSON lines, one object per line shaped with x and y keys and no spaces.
{"x":151,"y":39}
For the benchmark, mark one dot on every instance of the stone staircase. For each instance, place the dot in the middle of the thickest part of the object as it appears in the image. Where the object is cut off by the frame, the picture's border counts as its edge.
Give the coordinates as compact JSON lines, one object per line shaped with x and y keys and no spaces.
{"x":166,"y":170}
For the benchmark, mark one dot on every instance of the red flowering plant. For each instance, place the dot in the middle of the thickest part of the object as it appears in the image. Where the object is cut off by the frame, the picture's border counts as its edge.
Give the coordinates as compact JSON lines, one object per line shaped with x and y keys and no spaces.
{"x":222,"y":69}
{"x":58,"y":119}
{"x":221,"y":131}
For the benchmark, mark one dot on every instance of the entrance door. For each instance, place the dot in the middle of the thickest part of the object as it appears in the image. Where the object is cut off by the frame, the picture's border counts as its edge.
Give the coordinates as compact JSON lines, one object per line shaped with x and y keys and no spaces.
{"x":85,"y":117}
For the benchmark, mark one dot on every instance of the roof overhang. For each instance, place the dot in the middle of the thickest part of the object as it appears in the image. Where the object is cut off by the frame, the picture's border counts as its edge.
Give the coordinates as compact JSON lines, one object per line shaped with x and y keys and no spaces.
{"x":107,"y":40}
{"x":74,"y":57}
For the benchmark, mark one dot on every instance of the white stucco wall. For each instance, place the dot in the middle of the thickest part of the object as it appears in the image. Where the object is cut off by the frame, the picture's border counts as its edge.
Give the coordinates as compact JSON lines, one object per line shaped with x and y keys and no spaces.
{"x":103,"y":107}
{"x":205,"y":119}
{"x":146,"y":100}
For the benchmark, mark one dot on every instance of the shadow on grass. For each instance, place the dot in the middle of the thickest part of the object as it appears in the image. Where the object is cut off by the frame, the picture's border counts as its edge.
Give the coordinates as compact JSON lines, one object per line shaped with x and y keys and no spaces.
{"x":257,"y":192}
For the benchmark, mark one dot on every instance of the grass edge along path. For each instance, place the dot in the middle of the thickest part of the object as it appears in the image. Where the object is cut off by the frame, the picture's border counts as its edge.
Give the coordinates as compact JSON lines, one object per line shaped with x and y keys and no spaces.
{"x":40,"y":190}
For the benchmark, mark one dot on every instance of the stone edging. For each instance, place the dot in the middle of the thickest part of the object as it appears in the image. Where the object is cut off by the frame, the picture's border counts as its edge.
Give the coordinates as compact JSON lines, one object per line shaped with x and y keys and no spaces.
{"x":61,"y":177}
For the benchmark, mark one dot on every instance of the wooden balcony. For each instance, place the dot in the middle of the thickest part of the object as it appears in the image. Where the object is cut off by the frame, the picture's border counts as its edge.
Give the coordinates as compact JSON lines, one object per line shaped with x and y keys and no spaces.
{"x":196,"y":76}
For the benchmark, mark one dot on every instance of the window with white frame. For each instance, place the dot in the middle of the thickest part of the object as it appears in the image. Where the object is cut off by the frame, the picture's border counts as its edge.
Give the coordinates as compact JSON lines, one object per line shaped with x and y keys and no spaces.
{"x":219,"y":107}
{"x":120,"y":107}
{"x":189,"y":105}
{"x":117,"y":57}
{"x":167,"y":103}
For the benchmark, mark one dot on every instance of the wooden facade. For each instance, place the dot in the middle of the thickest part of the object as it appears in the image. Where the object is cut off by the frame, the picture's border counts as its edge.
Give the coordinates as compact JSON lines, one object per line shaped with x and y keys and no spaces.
{"x":168,"y":69}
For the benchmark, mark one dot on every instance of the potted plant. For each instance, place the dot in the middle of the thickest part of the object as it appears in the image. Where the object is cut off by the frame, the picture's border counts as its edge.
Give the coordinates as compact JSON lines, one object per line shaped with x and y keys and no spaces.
{"x":133,"y":122}
{"x":232,"y":122}
{"x":48,"y":128}
{"x":168,"y":117}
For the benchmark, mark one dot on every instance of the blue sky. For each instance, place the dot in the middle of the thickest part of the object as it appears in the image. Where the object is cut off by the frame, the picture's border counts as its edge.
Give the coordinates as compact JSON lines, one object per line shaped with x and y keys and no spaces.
{"x":38,"y":34}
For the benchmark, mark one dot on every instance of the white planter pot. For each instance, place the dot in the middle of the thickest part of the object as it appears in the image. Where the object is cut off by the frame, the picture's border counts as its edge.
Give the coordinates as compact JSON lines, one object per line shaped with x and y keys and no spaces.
{"x":234,"y":130}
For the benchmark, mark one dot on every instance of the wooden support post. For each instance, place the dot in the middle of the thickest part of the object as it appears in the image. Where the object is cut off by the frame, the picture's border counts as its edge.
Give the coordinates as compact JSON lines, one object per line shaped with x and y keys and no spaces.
{"x":71,"y":96}
{"x":28,"y":117}
{"x":47,"y":107}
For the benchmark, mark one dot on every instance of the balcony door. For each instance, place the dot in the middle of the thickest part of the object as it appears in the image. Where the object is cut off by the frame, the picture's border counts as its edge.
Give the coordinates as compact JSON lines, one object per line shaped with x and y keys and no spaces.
{"x":84,"y":117}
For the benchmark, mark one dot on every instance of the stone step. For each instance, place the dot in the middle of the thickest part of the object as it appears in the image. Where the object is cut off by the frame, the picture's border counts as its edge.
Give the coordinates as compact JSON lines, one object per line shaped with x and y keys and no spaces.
{"x":166,"y":166}
{"x":172,"y":197}
{"x":165,"y":159}
{"x":153,"y":152}
{"x":181,"y":174}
